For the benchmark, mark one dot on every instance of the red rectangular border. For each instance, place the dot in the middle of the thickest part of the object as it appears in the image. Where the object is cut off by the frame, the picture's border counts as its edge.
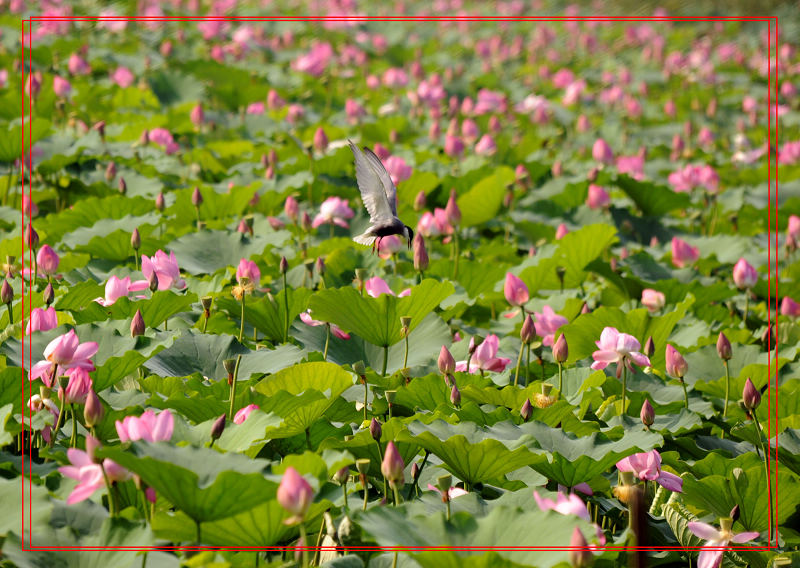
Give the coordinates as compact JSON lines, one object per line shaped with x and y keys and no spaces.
{"x":770,"y":133}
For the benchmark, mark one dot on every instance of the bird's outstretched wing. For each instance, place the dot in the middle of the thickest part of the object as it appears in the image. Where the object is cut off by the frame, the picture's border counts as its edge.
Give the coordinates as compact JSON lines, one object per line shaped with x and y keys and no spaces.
{"x":386,"y":180}
{"x":371,"y":187}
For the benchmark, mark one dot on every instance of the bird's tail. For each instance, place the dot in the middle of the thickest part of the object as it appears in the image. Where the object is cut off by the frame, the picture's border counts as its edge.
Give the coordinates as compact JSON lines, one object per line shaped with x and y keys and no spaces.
{"x":365,"y":239}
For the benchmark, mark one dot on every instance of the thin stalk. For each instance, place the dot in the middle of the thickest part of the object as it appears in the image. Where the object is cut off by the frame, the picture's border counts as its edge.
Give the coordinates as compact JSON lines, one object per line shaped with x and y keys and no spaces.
{"x":112,"y":511}
{"x":286,"y":308}
{"x":233,"y":387}
{"x":757,"y":425}
{"x":344,"y":492}
{"x":624,"y":385}
{"x":746,"y":306}
{"x":685,"y":394}
{"x":559,"y":379}
{"x":327,"y":341}
{"x":405,"y":357}
{"x":319,"y":541}
{"x":73,"y":438}
{"x":331,"y":226}
{"x":10,"y":314}
{"x":455,"y":254}
{"x":448,"y":509}
{"x":366,"y":495}
{"x":241,"y":325}
{"x":136,"y":258}
{"x":519,"y":360}
{"x":385,"y":359}
{"x":528,"y":366}
{"x":366,"y":394}
{"x":303,"y":541}
{"x":727,"y":390}
{"x":396,"y":495}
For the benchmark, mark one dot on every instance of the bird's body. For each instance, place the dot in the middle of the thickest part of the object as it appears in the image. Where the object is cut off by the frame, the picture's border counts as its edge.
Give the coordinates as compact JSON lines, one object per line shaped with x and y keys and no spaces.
{"x":379,"y":195}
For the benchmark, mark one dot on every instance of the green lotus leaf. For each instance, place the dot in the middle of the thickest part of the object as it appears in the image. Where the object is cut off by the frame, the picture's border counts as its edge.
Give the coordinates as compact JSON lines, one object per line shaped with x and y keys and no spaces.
{"x":484,"y":199}
{"x":205,"y":252}
{"x":266,"y":315}
{"x":653,"y":200}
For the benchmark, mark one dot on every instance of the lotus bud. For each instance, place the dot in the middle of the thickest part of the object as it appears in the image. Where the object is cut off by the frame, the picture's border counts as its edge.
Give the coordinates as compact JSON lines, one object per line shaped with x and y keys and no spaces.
{"x":111,"y":172}
{"x":31,"y":237}
{"x":320,"y":140}
{"x":284,"y":265}
{"x":415,"y":471}
{"x":649,"y":347}
{"x":724,"y":347}
{"x":160,"y":202}
{"x":579,"y":554}
{"x":375,"y":430}
{"x":527,"y":410}
{"x":291,"y":208}
{"x":137,"y":324}
{"x":295,"y":495}
{"x":392,"y":466}
{"x":455,"y":396}
{"x":647,"y":414}
{"x":528,"y":331}
{"x":420,"y":201}
{"x":451,"y":210}
{"x":421,"y":260}
{"x":272,"y":157}
{"x":769,"y":337}
{"x":197,"y":197}
{"x":676,"y":364}
{"x":561,"y":271}
{"x":136,"y":239}
{"x":123,"y":187}
{"x":6,"y":293}
{"x":447,"y":363}
{"x":320,"y":265}
{"x":305,"y":221}
{"x":93,"y":411}
{"x":218,"y":428}
{"x":342,"y":475}
{"x":153,"y":281}
{"x":560,"y":349}
{"x":750,"y":395}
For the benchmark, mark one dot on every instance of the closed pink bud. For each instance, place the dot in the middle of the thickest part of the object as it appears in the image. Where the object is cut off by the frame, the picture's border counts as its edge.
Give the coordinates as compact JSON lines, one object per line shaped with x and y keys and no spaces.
{"x":579,"y":554}
{"x":197,"y":116}
{"x":137,"y":324}
{"x":420,"y":253}
{"x":560,"y":349}
{"x":683,"y":254}
{"x":31,"y":237}
{"x":61,"y":87}
{"x":451,"y":210}
{"x":392,"y":466}
{"x":111,"y":171}
{"x":295,"y":495}
{"x":601,"y":152}
{"x":676,"y":364}
{"x":561,"y":231}
{"x":527,"y":410}
{"x":789,"y":307}
{"x":447,"y":363}
{"x":6,"y":293}
{"x":455,"y":396}
{"x":652,"y":299}
{"x":320,"y":140}
{"x":453,"y":146}
{"x":419,"y":201}
{"x":160,"y":202}
{"x":750,"y":395}
{"x":744,"y":275}
{"x":197,"y":197}
{"x":47,"y":260}
{"x":375,"y":430}
{"x":93,"y":412}
{"x":647,"y":414}
{"x":598,"y":197}
{"x":528,"y":331}
{"x":724,"y":347}
{"x":515,"y":290}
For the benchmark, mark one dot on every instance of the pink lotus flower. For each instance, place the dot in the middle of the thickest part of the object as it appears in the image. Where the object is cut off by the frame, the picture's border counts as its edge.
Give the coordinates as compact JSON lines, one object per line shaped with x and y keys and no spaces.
{"x":598,"y":198}
{"x":392,"y":466}
{"x":78,"y":386}
{"x":485,"y":357}
{"x":602,"y":153}
{"x":36,"y":404}
{"x":147,"y":427}
{"x":569,"y":505}
{"x":619,"y":348}
{"x":242,"y":414}
{"x":41,"y":320}
{"x":789,"y":153}
{"x":117,"y":288}
{"x":376,"y":286}
{"x":160,"y":136}
{"x":470,"y":130}
{"x":691,"y":177}
{"x":790,"y":308}
{"x":47,"y":260}
{"x":89,"y":474}
{"x":394,"y":77}
{"x":306,"y":318}
{"x":716,"y":542}
{"x":390,"y":246}
{"x":255,"y":108}
{"x":77,"y":65}
{"x":398,"y":169}
{"x":683,"y":254}
{"x":631,"y":165}
{"x":30,"y":209}
{"x":432,"y":226}
{"x":485,"y":146}
{"x":744,"y":275}
{"x":561,"y":231}
{"x":197,"y":115}
{"x":489,"y":101}
{"x":562,"y":78}
{"x":123,"y":77}
{"x":653,"y":300}
{"x":64,"y":352}
{"x":274,"y":100}
{"x":295,"y":495}
{"x":333,"y":210}
{"x":165,"y":269}
{"x":315,"y":61}
{"x":248,"y":269}
{"x":647,"y":465}
{"x":61,"y":86}
{"x":515,"y":290}
{"x":453,"y":146}
{"x":111,"y":24}
{"x":354,"y":110}
{"x":547,"y":324}
{"x":452,"y":493}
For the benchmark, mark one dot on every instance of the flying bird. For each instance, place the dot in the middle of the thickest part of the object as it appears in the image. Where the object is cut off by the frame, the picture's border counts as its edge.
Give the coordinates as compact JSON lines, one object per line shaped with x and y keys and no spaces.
{"x":379,"y":195}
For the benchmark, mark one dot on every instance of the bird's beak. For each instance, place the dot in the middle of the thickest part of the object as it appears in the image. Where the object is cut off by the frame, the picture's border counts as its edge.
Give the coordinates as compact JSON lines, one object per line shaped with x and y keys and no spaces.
{"x":409,"y":244}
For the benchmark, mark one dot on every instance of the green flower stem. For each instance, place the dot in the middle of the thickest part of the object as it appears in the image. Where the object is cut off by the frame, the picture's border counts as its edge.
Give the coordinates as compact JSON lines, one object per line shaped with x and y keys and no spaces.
{"x":233,"y":386}
{"x":560,"y":381}
{"x":624,"y":385}
{"x":685,"y":394}
{"x":10,"y":314}
{"x":727,"y":390}
{"x":519,"y":360}
{"x":305,"y":544}
{"x":455,"y":254}
{"x":136,"y":258}
{"x":770,"y":513}
{"x":344,"y":492}
{"x":366,"y":494}
{"x":396,"y":495}
{"x":286,"y":307}
{"x":448,"y":509}
{"x":73,"y":438}
{"x":746,"y":305}
{"x":385,"y":360}
{"x":327,"y":341}
{"x":405,"y":356}
{"x":241,"y":325}
{"x":112,"y":501}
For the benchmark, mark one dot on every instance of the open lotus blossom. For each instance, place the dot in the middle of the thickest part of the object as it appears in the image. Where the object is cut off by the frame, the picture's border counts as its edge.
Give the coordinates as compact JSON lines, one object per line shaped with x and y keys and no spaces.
{"x":333,"y":210}
{"x":631,"y":165}
{"x":452,"y":493}
{"x":117,"y":288}
{"x":619,"y":348}
{"x":242,"y":414}
{"x":89,"y":475}
{"x":568,"y":505}
{"x":148,"y":427}
{"x":41,"y":320}
{"x":306,"y":318}
{"x":485,"y":146}
{"x":376,"y":286}
{"x":547,"y":324}
{"x":647,"y":466}
{"x":485,"y":357}
{"x":716,"y":542}
{"x":433,"y":224}
{"x":653,"y":300}
{"x":165,"y":269}
{"x":693,"y":176}
{"x":789,"y":153}
{"x":315,"y":61}
{"x":683,"y":254}
{"x":63,"y":353}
